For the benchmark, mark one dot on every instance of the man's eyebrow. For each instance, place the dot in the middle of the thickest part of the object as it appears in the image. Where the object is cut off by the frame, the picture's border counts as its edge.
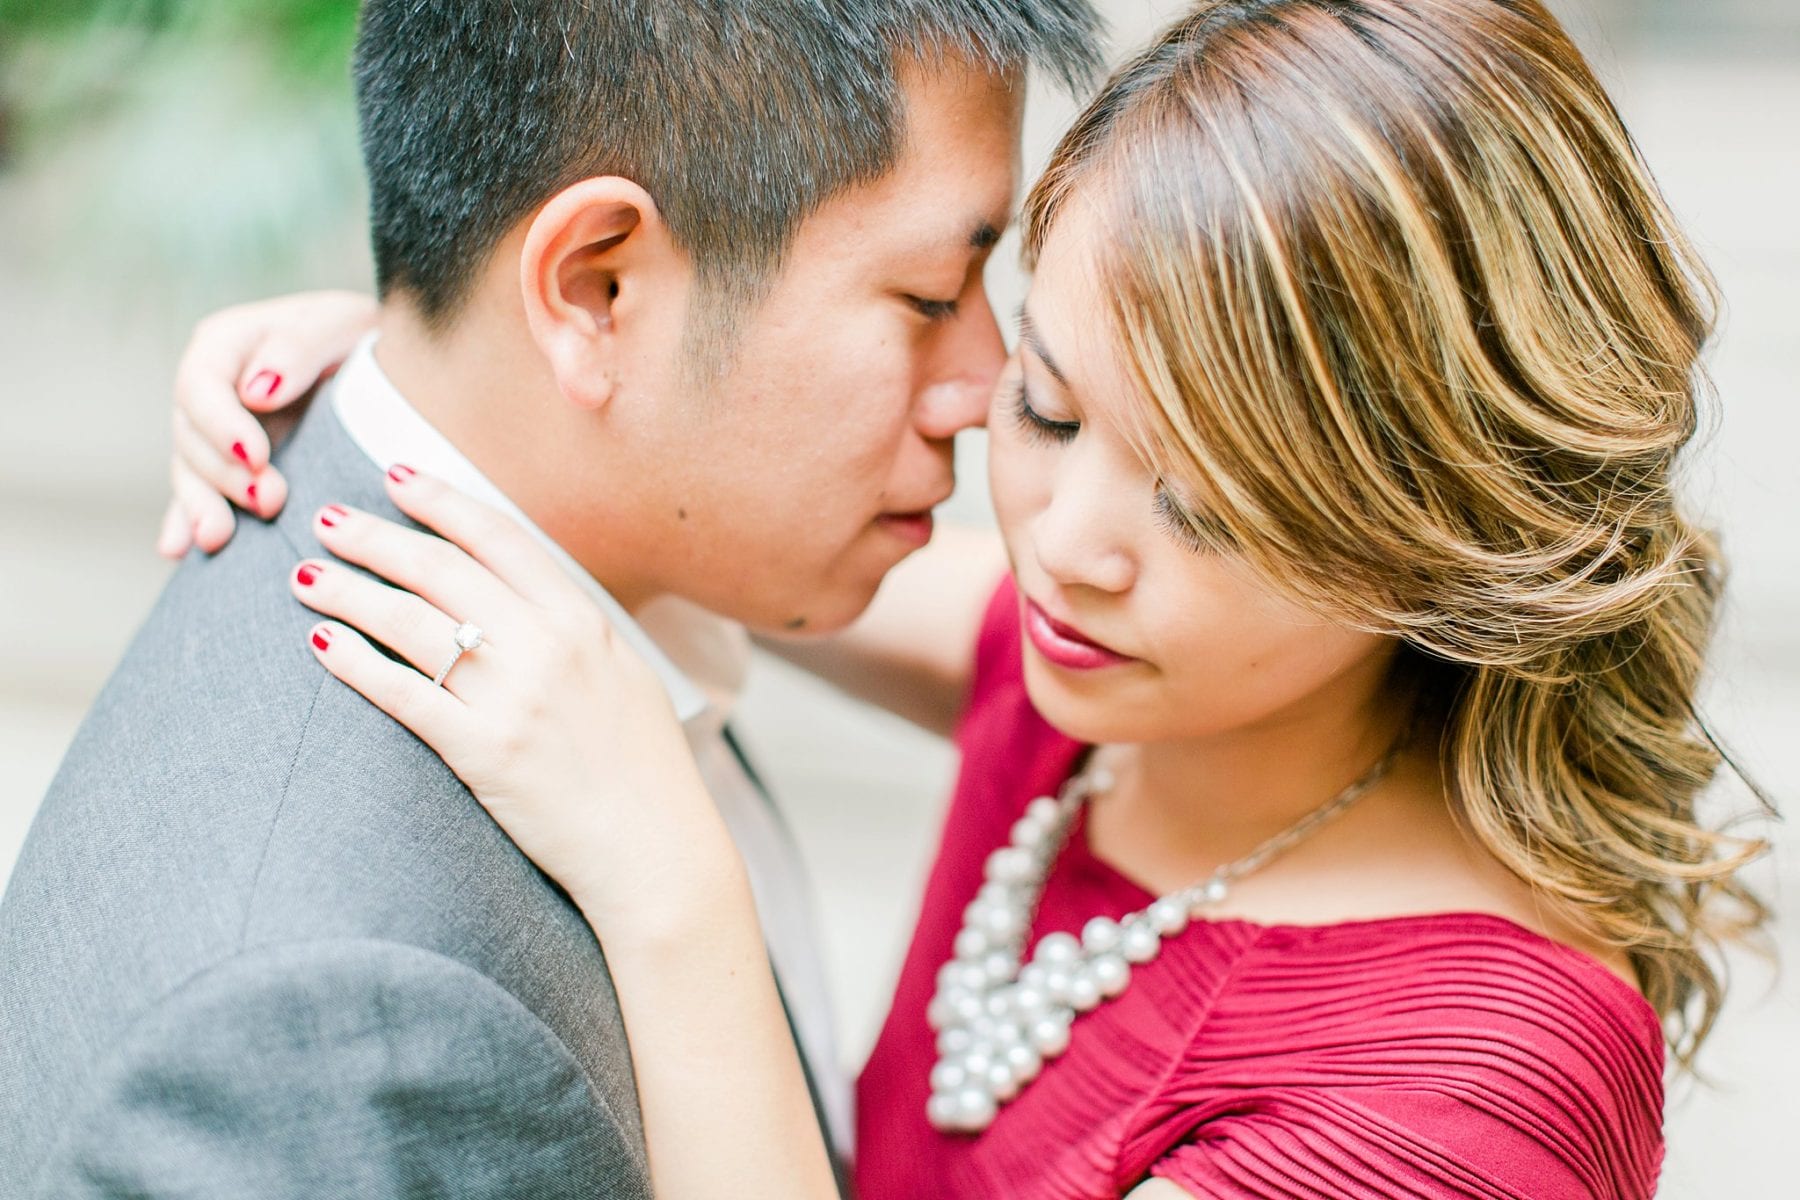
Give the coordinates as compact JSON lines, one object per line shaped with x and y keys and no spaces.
{"x":1029,"y":334}
{"x":985,"y":237}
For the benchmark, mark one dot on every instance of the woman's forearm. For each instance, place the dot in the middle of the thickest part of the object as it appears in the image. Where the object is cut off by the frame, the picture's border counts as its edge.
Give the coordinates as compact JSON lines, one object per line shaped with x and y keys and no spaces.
{"x":724,"y":1099}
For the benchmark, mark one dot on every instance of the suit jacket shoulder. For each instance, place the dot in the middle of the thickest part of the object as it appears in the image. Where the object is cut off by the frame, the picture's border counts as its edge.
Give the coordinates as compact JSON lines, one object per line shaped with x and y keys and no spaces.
{"x":226,"y":795}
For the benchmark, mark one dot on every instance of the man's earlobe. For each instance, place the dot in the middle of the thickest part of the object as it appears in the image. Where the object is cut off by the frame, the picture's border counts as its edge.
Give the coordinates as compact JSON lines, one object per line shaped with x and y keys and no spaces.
{"x":579,"y":252}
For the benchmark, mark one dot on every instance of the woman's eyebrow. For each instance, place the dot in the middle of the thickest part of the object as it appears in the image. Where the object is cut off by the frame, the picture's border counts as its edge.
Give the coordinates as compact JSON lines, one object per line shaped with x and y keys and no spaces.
{"x":1028,"y":332}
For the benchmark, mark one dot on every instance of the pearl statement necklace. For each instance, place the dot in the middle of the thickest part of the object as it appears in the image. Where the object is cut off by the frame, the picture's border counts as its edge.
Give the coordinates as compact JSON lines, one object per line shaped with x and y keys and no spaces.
{"x":998,"y":1023}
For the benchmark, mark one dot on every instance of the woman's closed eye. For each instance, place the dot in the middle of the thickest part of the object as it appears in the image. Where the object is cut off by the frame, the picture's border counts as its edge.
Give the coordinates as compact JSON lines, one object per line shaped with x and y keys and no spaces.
{"x":1193,"y":531}
{"x":1036,"y":425}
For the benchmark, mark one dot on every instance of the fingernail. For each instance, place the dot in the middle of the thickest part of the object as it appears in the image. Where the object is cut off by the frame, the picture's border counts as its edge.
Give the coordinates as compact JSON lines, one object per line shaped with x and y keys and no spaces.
{"x":331,"y":514}
{"x":400,"y":473}
{"x":262,"y":385}
{"x":243,"y":455}
{"x":321,"y":638}
{"x":251,"y":492}
{"x":307,"y":574}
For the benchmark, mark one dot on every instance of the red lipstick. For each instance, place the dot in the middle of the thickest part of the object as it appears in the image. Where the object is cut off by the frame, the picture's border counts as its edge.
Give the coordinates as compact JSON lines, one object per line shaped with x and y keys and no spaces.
{"x":1065,"y":646}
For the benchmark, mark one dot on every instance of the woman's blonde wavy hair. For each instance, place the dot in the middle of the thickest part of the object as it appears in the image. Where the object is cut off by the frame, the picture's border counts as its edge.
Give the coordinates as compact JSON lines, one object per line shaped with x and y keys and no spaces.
{"x":1412,"y":318}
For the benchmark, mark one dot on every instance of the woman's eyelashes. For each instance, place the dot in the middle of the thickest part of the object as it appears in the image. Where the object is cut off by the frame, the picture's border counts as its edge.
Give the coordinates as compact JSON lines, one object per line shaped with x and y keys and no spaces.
{"x":1192,"y":531}
{"x":1036,"y":425}
{"x":1187,"y":527}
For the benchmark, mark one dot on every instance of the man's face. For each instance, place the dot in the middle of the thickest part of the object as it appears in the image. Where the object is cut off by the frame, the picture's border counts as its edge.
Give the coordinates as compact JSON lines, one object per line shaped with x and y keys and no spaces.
{"x":788,"y":487}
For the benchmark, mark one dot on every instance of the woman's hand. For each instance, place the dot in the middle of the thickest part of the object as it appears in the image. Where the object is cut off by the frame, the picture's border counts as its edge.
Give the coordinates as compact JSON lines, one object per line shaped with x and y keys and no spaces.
{"x":568,"y":739}
{"x":561,"y":731}
{"x":241,"y":363}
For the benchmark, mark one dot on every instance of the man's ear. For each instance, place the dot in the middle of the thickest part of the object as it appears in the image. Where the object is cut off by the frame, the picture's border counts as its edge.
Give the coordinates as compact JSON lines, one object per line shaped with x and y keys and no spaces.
{"x":594,"y":260}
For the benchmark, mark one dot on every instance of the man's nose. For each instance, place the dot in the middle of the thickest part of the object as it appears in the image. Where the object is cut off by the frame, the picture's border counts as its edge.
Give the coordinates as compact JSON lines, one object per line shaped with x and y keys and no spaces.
{"x":967,"y":367}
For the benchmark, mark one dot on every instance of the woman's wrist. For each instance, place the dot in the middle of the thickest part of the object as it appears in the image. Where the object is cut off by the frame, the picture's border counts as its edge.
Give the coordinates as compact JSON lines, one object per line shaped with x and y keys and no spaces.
{"x":669,"y":888}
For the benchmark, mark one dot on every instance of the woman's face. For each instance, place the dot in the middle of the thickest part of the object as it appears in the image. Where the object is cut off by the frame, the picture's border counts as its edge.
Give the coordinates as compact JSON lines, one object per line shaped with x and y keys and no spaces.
{"x":1136,"y":631}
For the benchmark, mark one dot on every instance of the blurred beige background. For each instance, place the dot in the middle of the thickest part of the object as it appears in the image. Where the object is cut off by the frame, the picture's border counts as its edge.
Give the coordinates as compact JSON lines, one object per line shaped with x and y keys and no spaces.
{"x":91,"y":322}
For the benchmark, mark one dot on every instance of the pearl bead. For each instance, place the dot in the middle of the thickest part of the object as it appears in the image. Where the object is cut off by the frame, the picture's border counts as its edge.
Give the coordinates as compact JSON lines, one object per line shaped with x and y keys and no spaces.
{"x":1024,"y":1061}
{"x":1006,"y":1035}
{"x":971,"y":944}
{"x":996,"y":1005}
{"x":1001,"y":924}
{"x":1028,"y":834}
{"x":1215,"y":891}
{"x":1058,"y":950}
{"x":1045,"y":811}
{"x":939,"y":1012}
{"x":1084,"y":991}
{"x":1010,"y":865}
{"x":955,"y":1041}
{"x":972,"y":977}
{"x":1050,"y":1036}
{"x":1110,"y":973}
{"x":1100,"y":935}
{"x":966,"y":1006}
{"x":975,"y":1108}
{"x":994,"y":893}
{"x":1033,"y":975}
{"x":948,"y":1076}
{"x":1027,"y":1000}
{"x":1140,"y":942}
{"x":1056,"y":984}
{"x":1000,"y":1081}
{"x":941,"y":1111}
{"x":977,"y":1061}
{"x":1168,"y":917}
{"x":998,"y":967}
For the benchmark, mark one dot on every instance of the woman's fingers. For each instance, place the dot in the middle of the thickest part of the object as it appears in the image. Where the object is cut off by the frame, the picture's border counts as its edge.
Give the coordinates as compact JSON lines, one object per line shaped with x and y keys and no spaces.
{"x":216,"y":358}
{"x":416,"y":630}
{"x":306,"y":337}
{"x":177,"y":532}
{"x":230,"y":478}
{"x":492,"y":538}
{"x":208,"y":515}
{"x":436,"y":716}
{"x":428,"y":566}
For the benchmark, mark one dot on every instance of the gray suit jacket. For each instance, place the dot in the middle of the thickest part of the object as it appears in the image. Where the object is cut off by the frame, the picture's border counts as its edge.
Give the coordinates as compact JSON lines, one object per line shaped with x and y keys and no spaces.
{"x":262,"y":943}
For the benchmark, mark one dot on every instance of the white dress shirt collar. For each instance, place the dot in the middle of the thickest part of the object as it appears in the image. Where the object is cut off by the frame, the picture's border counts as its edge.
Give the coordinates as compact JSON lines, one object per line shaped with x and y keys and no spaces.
{"x":390,"y":430}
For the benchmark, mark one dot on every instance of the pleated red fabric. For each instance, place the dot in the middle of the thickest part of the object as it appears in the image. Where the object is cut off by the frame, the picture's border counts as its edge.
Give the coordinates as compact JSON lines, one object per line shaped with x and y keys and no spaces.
{"x":1446,"y":1055}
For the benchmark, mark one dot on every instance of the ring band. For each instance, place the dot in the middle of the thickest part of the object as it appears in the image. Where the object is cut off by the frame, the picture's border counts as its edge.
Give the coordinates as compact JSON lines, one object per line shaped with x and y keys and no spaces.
{"x":467,"y":637}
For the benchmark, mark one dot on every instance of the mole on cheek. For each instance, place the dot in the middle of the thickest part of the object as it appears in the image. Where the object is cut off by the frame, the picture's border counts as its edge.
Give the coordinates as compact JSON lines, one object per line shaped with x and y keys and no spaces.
{"x":797,"y":623}
{"x":681,"y":513}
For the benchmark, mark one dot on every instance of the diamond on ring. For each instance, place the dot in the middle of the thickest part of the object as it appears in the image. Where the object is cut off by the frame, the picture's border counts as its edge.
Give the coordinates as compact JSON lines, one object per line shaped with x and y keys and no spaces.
{"x":467,"y":636}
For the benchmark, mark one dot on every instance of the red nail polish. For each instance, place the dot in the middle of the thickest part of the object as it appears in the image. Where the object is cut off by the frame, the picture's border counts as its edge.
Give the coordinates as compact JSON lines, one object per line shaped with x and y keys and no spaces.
{"x":400,"y":474}
{"x":262,"y":385}
{"x":322,"y":638}
{"x":331,"y":514}
{"x":251,"y":492}
{"x":243,"y":455}
{"x":307,"y":574}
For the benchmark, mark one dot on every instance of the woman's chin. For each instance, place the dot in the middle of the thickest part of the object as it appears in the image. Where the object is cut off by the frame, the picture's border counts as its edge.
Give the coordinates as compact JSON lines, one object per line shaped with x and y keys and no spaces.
{"x":1087,"y":708}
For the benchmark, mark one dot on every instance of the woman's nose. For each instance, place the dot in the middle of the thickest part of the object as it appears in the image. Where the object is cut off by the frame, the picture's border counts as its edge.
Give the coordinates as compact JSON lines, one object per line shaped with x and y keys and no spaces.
{"x":1079,"y":536}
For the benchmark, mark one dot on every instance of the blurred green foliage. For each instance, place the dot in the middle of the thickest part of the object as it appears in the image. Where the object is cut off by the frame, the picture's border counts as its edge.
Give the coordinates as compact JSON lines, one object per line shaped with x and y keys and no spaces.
{"x":210,"y":143}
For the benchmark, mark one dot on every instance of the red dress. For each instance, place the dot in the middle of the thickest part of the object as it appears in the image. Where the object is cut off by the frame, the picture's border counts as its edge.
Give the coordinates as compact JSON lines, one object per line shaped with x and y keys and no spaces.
{"x":1449,"y":1055}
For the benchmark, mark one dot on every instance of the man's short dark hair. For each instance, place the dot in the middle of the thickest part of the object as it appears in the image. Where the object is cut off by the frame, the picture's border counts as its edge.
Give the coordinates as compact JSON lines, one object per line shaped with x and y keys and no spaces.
{"x":739,"y":117}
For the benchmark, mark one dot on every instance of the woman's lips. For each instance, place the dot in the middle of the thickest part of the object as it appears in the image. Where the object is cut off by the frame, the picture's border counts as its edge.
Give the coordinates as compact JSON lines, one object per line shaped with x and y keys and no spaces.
{"x":1066,"y":647}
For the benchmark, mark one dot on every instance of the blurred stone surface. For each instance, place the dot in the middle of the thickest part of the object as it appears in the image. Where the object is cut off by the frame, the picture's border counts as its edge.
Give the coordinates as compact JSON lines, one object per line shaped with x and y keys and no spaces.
{"x":1712,"y":92}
